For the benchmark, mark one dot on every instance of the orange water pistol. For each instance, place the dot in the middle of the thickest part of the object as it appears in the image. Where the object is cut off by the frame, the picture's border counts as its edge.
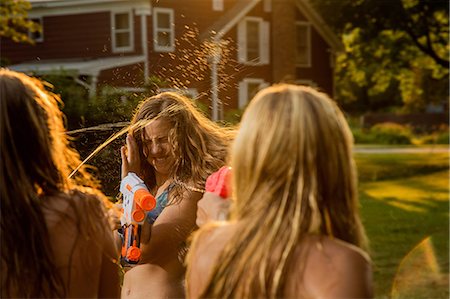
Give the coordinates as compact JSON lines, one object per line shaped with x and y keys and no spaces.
{"x":137,"y":202}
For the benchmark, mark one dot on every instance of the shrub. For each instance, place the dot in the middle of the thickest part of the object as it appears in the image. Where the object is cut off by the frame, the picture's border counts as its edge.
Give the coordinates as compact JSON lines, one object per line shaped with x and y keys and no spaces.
{"x":441,"y":136}
{"x":391,"y":133}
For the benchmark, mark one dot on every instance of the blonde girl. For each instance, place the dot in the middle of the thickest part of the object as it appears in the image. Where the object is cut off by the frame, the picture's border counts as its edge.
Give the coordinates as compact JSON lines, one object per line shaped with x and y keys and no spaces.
{"x":295,"y":230}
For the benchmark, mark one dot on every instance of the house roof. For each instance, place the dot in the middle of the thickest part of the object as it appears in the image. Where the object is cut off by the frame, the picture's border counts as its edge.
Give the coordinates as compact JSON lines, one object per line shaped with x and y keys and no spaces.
{"x":242,"y":7}
{"x":75,"y":67}
{"x":229,"y":19}
{"x":65,"y":7}
{"x":319,"y":24}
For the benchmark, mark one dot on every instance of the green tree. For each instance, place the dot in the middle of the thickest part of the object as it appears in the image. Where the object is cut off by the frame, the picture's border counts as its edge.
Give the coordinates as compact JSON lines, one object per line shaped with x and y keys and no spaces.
{"x":393,"y":50}
{"x":14,"y":21}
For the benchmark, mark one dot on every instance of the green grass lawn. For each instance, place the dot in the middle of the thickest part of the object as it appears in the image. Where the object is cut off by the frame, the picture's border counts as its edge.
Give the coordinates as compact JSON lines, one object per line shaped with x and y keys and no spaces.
{"x":404,"y":203}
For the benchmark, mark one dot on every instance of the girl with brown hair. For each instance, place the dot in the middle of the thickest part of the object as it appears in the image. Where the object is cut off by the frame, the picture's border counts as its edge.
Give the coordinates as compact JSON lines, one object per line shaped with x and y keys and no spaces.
{"x":55,"y":237}
{"x":173,"y":148}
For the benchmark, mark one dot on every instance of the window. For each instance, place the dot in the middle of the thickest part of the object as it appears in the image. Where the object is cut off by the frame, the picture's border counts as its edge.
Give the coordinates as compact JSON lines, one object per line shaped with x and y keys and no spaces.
{"x":163,"y":30}
{"x":122,"y":32}
{"x":253,"y":41}
{"x":303,"y":44}
{"x":37,"y":36}
{"x":248,"y":88}
{"x":217,"y":4}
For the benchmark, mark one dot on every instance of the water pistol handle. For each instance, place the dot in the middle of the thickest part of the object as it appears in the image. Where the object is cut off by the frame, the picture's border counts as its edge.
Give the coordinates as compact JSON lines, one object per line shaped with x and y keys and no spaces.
{"x":220,"y":182}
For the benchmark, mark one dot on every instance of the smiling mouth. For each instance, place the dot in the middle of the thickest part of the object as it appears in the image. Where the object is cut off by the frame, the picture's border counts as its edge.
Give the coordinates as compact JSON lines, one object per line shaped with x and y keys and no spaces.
{"x":159,"y":160}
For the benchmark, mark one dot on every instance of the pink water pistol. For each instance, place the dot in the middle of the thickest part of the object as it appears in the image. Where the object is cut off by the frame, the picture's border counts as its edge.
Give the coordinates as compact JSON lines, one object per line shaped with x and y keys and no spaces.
{"x":220,"y":182}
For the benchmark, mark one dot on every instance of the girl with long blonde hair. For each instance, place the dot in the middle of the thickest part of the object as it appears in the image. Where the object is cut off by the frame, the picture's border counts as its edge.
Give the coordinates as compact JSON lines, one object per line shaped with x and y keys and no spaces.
{"x":55,"y":237}
{"x":294,"y":229}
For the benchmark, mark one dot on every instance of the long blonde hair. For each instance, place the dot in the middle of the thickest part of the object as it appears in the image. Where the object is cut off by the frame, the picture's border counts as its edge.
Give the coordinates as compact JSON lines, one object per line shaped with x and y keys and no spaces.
{"x":36,"y":160}
{"x":200,"y":145}
{"x":293,"y":174}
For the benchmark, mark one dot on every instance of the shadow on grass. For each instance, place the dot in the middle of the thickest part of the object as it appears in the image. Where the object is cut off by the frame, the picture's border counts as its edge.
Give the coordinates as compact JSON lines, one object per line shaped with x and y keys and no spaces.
{"x":393,"y":233}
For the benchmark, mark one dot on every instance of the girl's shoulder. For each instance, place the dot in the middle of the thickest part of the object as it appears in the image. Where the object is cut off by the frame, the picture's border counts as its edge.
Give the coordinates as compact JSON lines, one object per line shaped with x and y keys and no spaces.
{"x":335,"y":268}
{"x":79,"y":207}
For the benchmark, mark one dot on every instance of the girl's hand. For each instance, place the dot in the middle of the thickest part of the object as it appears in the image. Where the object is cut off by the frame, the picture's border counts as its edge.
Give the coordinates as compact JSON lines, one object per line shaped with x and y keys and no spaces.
{"x":131,"y":161}
{"x":114,"y":215}
{"x":212,"y":207}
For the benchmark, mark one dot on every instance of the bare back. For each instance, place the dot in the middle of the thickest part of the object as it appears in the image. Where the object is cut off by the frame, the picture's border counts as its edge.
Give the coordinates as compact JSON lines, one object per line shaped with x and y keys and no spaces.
{"x":331,"y":268}
{"x":83,"y":247}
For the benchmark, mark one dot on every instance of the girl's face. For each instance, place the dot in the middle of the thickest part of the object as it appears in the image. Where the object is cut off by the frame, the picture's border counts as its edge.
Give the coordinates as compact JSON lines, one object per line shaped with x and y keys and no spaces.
{"x":156,"y":146}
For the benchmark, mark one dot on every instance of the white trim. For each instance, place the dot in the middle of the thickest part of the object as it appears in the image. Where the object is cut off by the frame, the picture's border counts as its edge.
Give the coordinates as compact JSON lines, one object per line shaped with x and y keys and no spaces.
{"x":217,"y":5}
{"x":307,"y":25}
{"x":76,"y":7}
{"x":144,"y":41}
{"x":114,"y":31}
{"x":236,"y":19}
{"x":40,"y":21}
{"x":77,"y":67}
{"x":243,"y":99}
{"x":170,"y":30}
{"x":320,"y":25}
{"x":263,"y":41}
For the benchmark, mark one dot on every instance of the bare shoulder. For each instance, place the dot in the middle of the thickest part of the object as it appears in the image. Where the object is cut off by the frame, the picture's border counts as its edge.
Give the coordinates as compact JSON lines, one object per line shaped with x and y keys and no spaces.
{"x":207,"y":244}
{"x":336,"y":269}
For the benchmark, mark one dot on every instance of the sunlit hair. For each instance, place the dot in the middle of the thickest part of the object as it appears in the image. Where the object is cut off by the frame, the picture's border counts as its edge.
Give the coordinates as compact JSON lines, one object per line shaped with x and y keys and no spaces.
{"x":199,"y":145}
{"x":36,"y":160}
{"x":293,"y":174}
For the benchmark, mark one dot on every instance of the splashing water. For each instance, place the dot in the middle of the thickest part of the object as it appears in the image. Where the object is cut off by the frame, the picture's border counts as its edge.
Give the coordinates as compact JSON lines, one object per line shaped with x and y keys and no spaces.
{"x":167,"y":112}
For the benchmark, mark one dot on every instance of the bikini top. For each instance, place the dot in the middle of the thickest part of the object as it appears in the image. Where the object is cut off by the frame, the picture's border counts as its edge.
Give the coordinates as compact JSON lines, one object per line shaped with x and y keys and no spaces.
{"x":161,"y":203}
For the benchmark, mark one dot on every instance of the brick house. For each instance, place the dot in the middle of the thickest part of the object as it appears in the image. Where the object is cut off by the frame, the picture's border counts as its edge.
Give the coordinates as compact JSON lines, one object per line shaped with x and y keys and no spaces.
{"x":218,"y":51}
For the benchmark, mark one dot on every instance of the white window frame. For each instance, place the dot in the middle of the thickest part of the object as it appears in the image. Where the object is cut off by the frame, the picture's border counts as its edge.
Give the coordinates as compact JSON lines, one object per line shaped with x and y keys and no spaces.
{"x":243,"y":89}
{"x":40,"y":21}
{"x":217,"y":5}
{"x":114,"y":31}
{"x":308,"y":42}
{"x":171,"y":30}
{"x":264,"y":44}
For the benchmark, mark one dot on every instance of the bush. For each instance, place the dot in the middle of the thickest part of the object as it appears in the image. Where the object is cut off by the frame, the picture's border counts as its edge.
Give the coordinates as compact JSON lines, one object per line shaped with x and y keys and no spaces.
{"x":440,"y":136}
{"x":391,"y":133}
{"x":383,"y":133}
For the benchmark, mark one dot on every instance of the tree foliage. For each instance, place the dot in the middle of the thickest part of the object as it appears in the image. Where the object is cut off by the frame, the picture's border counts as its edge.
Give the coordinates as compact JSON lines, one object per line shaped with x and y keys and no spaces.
{"x":394,"y":50}
{"x":14,"y":21}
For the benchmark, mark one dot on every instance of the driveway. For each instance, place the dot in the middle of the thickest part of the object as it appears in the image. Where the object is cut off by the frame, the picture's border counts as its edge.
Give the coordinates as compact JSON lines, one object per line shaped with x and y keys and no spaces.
{"x":400,"y":149}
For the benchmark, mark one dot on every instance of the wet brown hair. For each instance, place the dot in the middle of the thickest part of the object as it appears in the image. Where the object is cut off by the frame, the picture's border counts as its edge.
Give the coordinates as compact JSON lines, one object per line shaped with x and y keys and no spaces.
{"x":199,"y":145}
{"x":36,"y":160}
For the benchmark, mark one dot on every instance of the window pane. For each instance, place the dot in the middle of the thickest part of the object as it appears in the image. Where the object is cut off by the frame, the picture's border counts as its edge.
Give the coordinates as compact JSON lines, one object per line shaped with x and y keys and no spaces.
{"x":252,"y":89}
{"x":36,"y":35}
{"x":302,"y":45}
{"x":253,"y":42}
{"x":163,"y":20}
{"x":121,"y":21}
{"x":123,"y":39}
{"x":164,"y":39}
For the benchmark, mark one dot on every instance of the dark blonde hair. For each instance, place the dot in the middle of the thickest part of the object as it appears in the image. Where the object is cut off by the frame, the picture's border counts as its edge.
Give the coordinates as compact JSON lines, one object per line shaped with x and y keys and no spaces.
{"x":293,"y":175}
{"x":199,"y":145}
{"x":36,"y":160}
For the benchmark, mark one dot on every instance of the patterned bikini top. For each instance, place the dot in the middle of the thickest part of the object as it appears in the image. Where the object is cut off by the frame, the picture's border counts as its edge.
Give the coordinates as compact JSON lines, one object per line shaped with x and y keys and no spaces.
{"x":161,"y":203}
